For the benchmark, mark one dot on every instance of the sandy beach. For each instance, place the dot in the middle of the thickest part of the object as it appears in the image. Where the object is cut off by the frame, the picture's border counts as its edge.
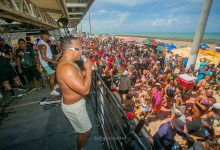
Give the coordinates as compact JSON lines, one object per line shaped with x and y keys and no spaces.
{"x":184,"y":48}
{"x":178,"y":43}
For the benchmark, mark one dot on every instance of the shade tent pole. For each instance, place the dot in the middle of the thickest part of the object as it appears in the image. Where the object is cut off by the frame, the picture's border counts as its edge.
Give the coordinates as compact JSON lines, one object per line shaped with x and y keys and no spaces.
{"x":199,"y":32}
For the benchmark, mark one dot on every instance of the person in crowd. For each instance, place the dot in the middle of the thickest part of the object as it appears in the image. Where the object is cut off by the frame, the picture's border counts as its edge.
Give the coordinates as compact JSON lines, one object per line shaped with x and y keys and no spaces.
{"x":169,"y":91}
{"x":6,"y":69}
{"x":146,"y":103}
{"x":124,"y":86}
{"x":200,"y":127}
{"x":202,"y":90}
{"x":27,"y":63}
{"x":164,"y":137}
{"x":179,"y":106}
{"x":46,"y":60}
{"x":203,"y":82}
{"x":107,"y":77}
{"x":202,"y":104}
{"x":29,"y":43}
{"x":157,"y":97}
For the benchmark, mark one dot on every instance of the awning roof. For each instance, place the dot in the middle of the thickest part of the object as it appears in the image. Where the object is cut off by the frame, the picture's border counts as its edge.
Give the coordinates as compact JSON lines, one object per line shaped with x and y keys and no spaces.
{"x":51,"y":7}
{"x":36,"y":14}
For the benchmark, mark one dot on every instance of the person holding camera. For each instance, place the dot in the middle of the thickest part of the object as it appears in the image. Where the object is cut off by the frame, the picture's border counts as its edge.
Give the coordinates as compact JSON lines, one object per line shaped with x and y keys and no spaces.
{"x":75,"y":84}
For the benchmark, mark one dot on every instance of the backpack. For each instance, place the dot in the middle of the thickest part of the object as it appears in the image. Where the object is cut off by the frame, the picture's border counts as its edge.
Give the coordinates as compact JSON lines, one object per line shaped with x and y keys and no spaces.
{"x":26,"y":60}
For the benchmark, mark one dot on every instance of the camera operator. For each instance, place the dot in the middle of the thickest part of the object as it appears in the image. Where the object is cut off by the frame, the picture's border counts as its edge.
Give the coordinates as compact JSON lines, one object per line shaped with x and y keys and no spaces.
{"x":75,"y":84}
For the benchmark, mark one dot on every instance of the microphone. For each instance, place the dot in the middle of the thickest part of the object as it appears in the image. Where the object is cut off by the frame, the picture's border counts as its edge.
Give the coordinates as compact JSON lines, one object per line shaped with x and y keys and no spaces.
{"x":83,"y":58}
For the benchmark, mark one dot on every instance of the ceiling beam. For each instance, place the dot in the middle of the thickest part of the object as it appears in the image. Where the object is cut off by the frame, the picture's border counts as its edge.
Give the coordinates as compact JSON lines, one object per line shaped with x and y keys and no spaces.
{"x":56,"y":11}
{"x":41,"y":18}
{"x":76,"y":13}
{"x":72,"y":4}
{"x":74,"y":18}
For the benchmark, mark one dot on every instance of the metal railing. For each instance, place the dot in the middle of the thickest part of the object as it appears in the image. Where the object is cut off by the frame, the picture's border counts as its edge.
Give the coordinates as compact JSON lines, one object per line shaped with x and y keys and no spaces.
{"x":117,"y":131}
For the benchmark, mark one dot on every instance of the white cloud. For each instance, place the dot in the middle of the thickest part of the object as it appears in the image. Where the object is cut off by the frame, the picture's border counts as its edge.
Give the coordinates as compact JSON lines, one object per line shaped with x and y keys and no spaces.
{"x":170,"y":20}
{"x":102,"y":11}
{"x":113,"y":22}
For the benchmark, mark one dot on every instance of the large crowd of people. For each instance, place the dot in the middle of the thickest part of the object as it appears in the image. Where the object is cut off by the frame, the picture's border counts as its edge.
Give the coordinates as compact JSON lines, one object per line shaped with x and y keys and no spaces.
{"x":147,"y":81}
{"x":145,"y":78}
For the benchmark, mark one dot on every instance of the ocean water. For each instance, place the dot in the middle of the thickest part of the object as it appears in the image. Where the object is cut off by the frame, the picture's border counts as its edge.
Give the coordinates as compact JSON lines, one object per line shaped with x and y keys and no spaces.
{"x":179,"y":36}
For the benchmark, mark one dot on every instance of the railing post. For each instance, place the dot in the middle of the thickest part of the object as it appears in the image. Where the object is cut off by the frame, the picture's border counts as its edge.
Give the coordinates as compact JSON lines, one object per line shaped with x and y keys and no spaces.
{"x":95,"y":92}
{"x":139,"y":126}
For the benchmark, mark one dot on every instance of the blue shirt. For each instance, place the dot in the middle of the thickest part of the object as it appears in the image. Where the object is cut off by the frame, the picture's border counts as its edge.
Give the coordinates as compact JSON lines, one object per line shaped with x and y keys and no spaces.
{"x":164,"y":137}
{"x":202,"y":64}
{"x":184,"y":63}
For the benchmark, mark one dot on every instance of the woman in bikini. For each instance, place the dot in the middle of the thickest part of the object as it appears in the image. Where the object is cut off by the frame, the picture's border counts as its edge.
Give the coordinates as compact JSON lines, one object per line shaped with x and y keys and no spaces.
{"x":202,"y":104}
{"x":169,"y":91}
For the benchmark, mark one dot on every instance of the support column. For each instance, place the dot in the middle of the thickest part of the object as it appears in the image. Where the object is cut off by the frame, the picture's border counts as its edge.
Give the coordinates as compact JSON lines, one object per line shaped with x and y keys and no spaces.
{"x":199,"y":32}
{"x":90,"y":26}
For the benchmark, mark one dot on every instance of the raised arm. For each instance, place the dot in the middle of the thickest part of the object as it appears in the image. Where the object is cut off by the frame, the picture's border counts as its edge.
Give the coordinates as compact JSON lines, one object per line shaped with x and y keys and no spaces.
{"x":74,"y":79}
{"x":42,"y":48}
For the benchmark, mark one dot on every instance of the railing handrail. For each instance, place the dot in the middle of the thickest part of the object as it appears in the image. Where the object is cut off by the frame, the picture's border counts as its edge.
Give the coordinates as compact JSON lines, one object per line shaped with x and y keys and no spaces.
{"x":113,"y":97}
{"x":126,"y":121}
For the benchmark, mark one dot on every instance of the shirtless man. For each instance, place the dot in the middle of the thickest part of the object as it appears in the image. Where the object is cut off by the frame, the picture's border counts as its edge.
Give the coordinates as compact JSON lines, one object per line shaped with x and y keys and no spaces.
{"x":74,"y":85}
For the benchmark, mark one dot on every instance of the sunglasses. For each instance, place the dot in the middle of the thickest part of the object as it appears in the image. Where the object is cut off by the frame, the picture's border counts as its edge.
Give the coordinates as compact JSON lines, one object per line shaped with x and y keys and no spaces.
{"x":75,"y":49}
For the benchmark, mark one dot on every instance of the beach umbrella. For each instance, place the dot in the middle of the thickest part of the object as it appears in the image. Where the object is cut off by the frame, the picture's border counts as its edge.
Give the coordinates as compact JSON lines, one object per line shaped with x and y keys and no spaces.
{"x":159,"y":48}
{"x":170,"y":47}
{"x":162,"y":44}
{"x":151,"y":42}
{"x":203,"y":45}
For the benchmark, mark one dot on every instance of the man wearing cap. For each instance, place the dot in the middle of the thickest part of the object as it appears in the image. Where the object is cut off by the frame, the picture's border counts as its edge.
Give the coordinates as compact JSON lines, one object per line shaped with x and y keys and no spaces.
{"x":45,"y":57}
{"x":164,"y":137}
{"x":75,"y":85}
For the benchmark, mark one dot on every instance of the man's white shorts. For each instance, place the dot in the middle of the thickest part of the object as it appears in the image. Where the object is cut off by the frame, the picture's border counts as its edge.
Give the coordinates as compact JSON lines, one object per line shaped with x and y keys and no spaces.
{"x":77,"y":115}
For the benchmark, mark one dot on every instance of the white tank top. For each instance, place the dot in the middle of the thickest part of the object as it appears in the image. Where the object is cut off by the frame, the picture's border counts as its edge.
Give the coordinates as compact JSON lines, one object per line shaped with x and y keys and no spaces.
{"x":48,"y":53}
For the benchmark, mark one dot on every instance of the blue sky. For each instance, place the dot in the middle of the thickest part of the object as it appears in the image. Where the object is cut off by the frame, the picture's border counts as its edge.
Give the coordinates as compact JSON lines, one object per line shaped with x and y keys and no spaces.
{"x":138,"y":16}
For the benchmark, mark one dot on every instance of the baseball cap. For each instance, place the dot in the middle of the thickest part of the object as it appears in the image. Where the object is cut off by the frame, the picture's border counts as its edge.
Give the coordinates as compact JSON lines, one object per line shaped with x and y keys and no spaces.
{"x":125,"y":73}
{"x":158,"y":84}
{"x":178,"y":124}
{"x":44,"y":32}
{"x":130,"y":115}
